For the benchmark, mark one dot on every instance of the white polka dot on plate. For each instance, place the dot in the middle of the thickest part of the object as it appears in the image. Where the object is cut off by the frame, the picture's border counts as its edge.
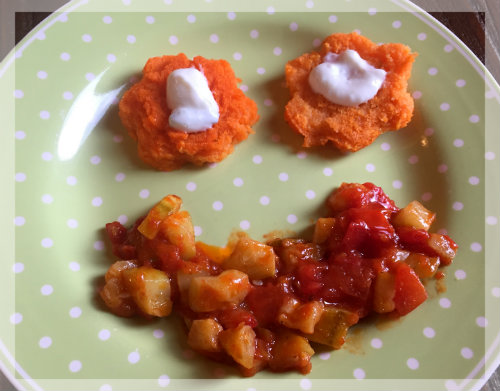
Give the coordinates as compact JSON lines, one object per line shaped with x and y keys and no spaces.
{"x":309,"y":4}
{"x":150,"y":19}
{"x":173,"y":40}
{"x":432,"y":71}
{"x":19,"y":94}
{"x":19,"y":221}
{"x":359,"y":374}
{"x":476,"y":247}
{"x":370,"y":167}
{"x":270,"y":10}
{"x":302,"y":154}
{"x":197,"y":230}
{"x":277,"y":51}
{"x":294,"y":26}
{"x":95,"y":160}
{"x":237,"y":56}
{"x":426,"y":196}
{"x":264,"y":200}
{"x":71,"y":180}
{"x":144,"y":193}
{"x":467,"y":353}
{"x":46,"y":290}
{"x":45,"y":342}
{"x":245,"y":224}
{"x":191,"y":186}
{"x":481,"y":321}
{"x":268,"y":102}
{"x":107,"y":19}
{"x":445,"y":302}
{"x":163,"y":381}
{"x":316,"y":42}
{"x":42,"y":75}
{"x":74,"y":266}
{"x":261,"y":70}
{"x":119,"y":177}
{"x":448,"y":48}
{"x":459,"y":143}
{"x":191,"y":18}
{"x":20,"y":135}
{"x":474,"y":119}
{"x":16,"y":318}
{"x":214,"y":38}
{"x":96,"y":201}
{"x":429,"y":332}
{"x":20,"y":177}
{"x":89,"y":76}
{"x":474,"y":180}
{"x":460,"y":274}
{"x":134,"y":357}
{"x":75,"y":366}
{"x":217,"y":205}
{"x":257,"y":159}
{"x":67,"y":95}
{"x":86,"y":38}
{"x":47,"y":156}
{"x":489,"y":155}
{"x":122,"y":219}
{"x":292,"y":219}
{"x":158,"y":334}
{"x":396,"y":24}
{"x":376,"y":343}
{"x":283,"y":177}
{"x":104,"y":334}
{"x":421,"y":36}
{"x":47,"y":242}
{"x":332,"y":18}
{"x":305,"y":384}
{"x":442,"y":168}
{"x":106,"y":387}
{"x":18,"y":267}
{"x":254,"y":34}
{"x":131,"y":38}
{"x":75,"y":312}
{"x":72,"y":223}
{"x":238,"y":182}
{"x":111,"y":58}
{"x":231,"y":15}
{"x":372,"y":11}
{"x":99,"y":245}
{"x":444,"y":106}
{"x":397,"y":184}
{"x":491,"y":220}
{"x":460,"y":83}
{"x":324,"y":356}
{"x":412,"y":363}
{"x":44,"y":114}
{"x":310,"y":194}
{"x":327,"y":171}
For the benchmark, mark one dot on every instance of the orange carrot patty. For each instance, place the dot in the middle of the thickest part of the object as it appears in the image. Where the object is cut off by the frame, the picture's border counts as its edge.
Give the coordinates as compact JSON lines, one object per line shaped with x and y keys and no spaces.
{"x":350,"y":128}
{"x":144,"y":112}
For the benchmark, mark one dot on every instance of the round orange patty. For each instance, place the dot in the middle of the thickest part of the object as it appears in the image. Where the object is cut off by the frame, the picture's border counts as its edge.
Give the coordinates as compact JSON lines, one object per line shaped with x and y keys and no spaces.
{"x":144,"y":112}
{"x":350,"y":128}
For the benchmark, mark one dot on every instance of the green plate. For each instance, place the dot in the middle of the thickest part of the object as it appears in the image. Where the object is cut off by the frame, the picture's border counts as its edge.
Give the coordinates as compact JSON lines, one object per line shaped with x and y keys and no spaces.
{"x":76,"y":169}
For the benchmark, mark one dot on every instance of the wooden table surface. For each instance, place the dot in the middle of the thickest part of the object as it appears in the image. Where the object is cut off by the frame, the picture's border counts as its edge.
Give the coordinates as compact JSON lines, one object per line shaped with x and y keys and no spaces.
{"x":476,"y":23}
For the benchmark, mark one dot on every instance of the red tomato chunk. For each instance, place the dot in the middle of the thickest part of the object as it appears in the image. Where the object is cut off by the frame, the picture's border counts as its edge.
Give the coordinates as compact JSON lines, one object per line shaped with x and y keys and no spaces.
{"x":261,"y":305}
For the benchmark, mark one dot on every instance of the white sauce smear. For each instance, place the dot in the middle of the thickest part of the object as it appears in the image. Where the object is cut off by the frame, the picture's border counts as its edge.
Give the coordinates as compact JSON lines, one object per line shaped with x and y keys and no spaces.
{"x":193,"y":106}
{"x":346,"y":79}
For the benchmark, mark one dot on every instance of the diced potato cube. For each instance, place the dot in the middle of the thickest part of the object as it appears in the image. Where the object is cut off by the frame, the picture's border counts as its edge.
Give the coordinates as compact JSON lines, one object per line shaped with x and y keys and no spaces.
{"x":292,"y":251}
{"x":213,"y":293}
{"x":291,"y":351}
{"x":253,"y":258}
{"x":204,"y":335}
{"x":301,"y":317}
{"x":150,"y":289}
{"x":239,"y":343}
{"x":184,"y":279}
{"x":150,"y":226}
{"x":444,"y":247}
{"x":331,"y":329}
{"x":414,"y":215}
{"x":383,"y":294}
{"x":424,"y":266}
{"x":178,"y":229}
{"x":323,"y":229}
{"x":114,"y":293}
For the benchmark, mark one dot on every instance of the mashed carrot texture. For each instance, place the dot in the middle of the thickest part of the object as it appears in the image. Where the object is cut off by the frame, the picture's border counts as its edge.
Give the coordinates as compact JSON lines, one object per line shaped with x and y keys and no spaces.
{"x":350,"y":128}
{"x":144,"y":112}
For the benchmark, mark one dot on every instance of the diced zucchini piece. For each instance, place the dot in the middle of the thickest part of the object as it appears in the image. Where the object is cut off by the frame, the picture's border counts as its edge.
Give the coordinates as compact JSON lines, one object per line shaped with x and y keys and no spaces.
{"x":150,"y":226}
{"x":323,"y":229}
{"x":291,"y":352}
{"x":332,"y":327}
{"x":178,"y":229}
{"x":254,"y":258}
{"x":214,"y":253}
{"x":383,"y":293}
{"x":239,"y":343}
{"x":204,"y":335}
{"x":213,"y":293}
{"x":303,"y":317}
{"x":150,"y":289}
{"x":414,"y":215}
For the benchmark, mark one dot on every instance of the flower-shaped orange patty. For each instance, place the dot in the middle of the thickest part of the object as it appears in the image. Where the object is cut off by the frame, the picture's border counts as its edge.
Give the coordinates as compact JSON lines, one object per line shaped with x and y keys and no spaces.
{"x":144,"y":112}
{"x":350,"y":128}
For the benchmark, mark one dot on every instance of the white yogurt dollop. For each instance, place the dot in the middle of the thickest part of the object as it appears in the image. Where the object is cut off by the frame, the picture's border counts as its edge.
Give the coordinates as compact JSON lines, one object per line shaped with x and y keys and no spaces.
{"x":193,"y":106}
{"x":346,"y":79}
